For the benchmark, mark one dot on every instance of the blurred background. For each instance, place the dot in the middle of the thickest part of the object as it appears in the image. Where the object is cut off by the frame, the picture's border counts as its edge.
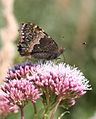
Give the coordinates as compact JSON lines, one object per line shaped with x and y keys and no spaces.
{"x":72,"y":23}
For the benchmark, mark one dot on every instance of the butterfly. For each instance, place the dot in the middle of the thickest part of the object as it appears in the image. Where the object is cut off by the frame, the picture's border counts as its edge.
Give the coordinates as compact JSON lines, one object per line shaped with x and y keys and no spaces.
{"x":37,"y":43}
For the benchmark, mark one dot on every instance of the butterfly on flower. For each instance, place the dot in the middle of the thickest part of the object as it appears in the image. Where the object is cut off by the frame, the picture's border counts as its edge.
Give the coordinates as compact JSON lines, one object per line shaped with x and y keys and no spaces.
{"x":36,"y":43}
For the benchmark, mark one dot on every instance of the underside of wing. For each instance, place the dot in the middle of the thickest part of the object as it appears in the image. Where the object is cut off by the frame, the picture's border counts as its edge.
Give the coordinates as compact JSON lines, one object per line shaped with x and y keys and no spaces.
{"x":34,"y":41}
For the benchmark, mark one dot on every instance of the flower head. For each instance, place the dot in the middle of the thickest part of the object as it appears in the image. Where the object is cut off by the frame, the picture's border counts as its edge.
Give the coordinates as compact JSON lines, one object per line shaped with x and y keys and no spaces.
{"x":64,"y":80}
{"x":5,"y":107}
{"x":19,"y":92}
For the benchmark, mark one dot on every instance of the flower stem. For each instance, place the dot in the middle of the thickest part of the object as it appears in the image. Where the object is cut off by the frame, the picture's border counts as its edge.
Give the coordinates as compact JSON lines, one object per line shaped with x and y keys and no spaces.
{"x":45,"y":116}
{"x":35,"y":111}
{"x":47,"y":104}
{"x":55,"y":108}
{"x":22,"y":112}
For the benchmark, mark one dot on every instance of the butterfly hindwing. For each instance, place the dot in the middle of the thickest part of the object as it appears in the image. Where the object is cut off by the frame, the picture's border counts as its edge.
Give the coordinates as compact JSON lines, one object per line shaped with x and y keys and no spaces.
{"x":46,"y":45}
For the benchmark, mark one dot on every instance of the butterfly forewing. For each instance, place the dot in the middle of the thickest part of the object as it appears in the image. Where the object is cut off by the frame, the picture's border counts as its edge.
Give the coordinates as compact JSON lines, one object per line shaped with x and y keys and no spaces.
{"x":29,"y":36}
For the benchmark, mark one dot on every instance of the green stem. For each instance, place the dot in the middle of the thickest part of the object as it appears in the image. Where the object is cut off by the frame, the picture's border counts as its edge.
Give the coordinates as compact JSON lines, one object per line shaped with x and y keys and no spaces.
{"x":46,"y":112}
{"x":47,"y":94}
{"x":47,"y":104}
{"x":22,"y":112}
{"x":55,"y":108}
{"x":45,"y":116}
{"x":63,"y":114}
{"x":35,"y":111}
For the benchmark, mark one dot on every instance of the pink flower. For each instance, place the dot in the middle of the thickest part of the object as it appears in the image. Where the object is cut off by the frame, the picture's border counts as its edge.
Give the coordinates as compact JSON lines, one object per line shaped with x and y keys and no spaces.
{"x":61,"y":80}
{"x":64,"y":80}
{"x":5,"y":107}
{"x":20,"y":71}
{"x":19,"y":92}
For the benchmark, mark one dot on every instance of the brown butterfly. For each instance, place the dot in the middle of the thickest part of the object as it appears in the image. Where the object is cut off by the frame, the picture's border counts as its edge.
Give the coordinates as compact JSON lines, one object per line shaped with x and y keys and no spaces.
{"x":35,"y":42}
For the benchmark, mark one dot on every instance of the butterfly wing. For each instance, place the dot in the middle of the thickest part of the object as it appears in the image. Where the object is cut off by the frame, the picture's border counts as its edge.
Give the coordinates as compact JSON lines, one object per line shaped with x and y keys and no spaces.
{"x":34,"y":41}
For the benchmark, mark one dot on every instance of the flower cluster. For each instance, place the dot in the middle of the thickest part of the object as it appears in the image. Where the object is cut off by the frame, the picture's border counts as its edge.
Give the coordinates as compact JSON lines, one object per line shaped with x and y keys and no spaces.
{"x":25,"y":81}
{"x":19,"y":92}
{"x":17,"y":89}
{"x":62,"y":79}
